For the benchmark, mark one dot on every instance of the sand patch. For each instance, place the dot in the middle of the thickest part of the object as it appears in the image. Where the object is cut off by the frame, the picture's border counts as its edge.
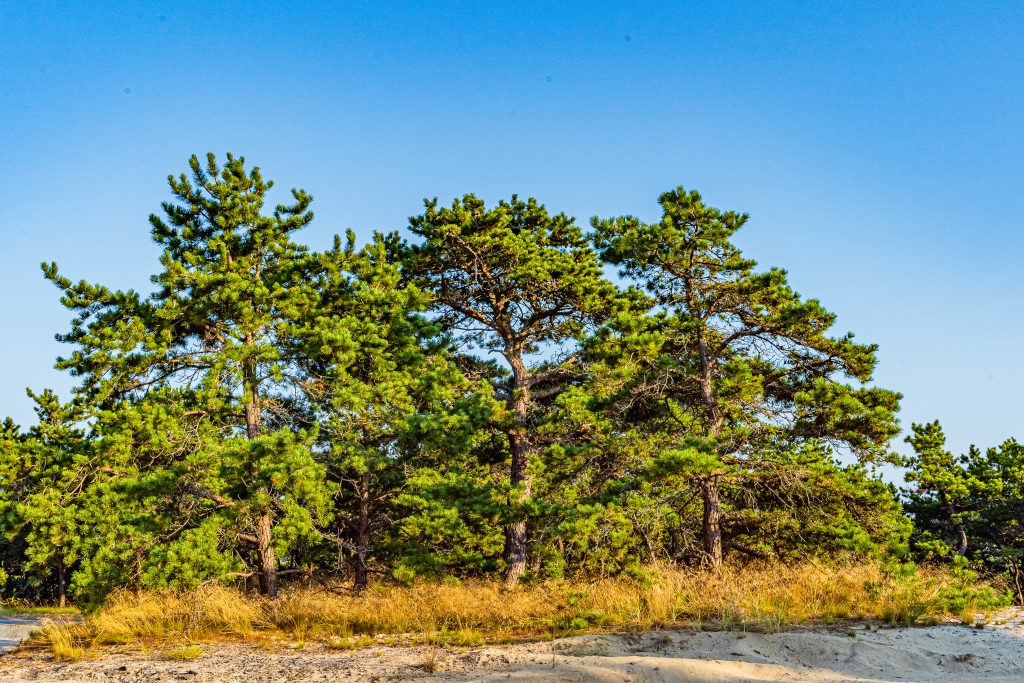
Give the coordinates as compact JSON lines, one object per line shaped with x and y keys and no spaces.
{"x":939,"y":653}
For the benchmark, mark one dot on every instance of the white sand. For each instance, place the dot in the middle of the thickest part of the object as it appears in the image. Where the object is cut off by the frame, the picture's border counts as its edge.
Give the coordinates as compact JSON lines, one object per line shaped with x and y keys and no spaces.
{"x":14,"y":628}
{"x":940,"y":653}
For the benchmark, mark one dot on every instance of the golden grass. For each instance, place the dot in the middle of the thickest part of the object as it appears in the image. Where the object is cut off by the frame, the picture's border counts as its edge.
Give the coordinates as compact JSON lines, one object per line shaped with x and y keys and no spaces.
{"x":63,"y":640}
{"x":768,"y":598}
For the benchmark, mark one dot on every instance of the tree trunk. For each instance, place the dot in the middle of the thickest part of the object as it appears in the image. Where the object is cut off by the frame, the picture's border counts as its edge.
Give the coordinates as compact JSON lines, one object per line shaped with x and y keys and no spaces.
{"x":515,"y":553}
{"x":1016,"y":582}
{"x":363,"y":534}
{"x":961,"y":545}
{"x":712,"y":530}
{"x":519,"y":446}
{"x":62,"y":598}
{"x":712,"y":522}
{"x":959,"y":530}
{"x":252,"y":414}
{"x":266,"y":555}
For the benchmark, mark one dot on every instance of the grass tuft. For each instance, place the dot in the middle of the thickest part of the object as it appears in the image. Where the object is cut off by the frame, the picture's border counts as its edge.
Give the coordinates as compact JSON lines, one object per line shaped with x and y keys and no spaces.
{"x":66,"y":640}
{"x":185,"y":653}
{"x":431,"y":660}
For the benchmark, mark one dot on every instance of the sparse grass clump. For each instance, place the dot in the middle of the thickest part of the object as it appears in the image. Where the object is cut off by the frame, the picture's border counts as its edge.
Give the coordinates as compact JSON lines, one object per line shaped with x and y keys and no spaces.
{"x":185,"y":653}
{"x":766,"y":598}
{"x":350,"y":643}
{"x":431,"y":660}
{"x":463,"y":637}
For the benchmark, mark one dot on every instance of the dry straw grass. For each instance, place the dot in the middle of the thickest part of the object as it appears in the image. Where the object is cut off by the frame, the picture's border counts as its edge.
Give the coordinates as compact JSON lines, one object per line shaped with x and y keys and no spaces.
{"x":768,"y":598}
{"x":63,"y":638}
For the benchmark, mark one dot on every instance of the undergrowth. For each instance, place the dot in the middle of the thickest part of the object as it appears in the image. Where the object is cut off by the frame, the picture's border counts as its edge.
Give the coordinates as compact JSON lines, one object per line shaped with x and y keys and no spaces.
{"x":767,"y":598}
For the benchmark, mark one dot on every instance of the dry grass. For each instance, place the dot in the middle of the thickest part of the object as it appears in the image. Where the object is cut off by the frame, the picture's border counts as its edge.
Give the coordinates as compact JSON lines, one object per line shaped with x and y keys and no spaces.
{"x":63,"y":640}
{"x":431,"y":660}
{"x":769,"y":598}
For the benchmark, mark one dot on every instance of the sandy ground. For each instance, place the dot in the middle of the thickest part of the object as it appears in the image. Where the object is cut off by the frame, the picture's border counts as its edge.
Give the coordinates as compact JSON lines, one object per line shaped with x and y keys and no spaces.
{"x":939,"y":653}
{"x":14,"y":628}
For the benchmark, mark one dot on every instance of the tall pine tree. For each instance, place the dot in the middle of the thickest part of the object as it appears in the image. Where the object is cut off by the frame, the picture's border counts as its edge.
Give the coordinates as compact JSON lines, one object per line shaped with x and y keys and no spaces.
{"x":383,"y":389}
{"x":525,"y":284}
{"x":232,"y":287}
{"x":741,"y":359}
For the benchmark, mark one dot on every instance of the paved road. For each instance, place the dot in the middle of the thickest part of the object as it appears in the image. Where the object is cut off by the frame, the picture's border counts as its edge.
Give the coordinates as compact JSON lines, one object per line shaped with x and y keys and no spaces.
{"x":14,"y":628}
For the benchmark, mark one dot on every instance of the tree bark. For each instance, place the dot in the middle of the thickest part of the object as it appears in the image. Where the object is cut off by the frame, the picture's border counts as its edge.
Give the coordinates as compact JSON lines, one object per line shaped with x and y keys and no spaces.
{"x":266,"y":555}
{"x":961,"y":546}
{"x":363,"y":534}
{"x":253,"y":416}
{"x":1016,"y":582}
{"x":61,"y":581}
{"x":519,"y":446}
{"x":712,"y":522}
{"x":712,"y":528}
{"x":959,"y":530}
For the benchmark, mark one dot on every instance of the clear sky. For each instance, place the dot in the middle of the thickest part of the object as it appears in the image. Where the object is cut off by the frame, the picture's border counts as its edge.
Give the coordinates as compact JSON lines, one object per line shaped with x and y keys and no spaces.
{"x":877,"y":147}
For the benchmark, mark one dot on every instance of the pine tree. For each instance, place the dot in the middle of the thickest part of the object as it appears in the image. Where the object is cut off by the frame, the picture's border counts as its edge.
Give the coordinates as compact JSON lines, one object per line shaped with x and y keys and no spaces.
{"x":42,"y":474}
{"x":969,"y":507}
{"x":943,"y":481}
{"x":232,"y":287}
{"x":520,"y":282}
{"x":742,"y":358}
{"x":479,"y":399}
{"x":384,"y":391}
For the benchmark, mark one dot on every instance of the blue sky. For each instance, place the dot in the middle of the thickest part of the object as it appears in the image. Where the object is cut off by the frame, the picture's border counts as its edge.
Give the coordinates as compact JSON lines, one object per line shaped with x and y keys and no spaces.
{"x":877,"y":147}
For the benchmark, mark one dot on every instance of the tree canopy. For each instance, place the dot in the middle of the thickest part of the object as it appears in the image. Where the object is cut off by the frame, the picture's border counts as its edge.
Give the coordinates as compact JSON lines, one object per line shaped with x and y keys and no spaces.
{"x":474,"y":396}
{"x":738,"y":360}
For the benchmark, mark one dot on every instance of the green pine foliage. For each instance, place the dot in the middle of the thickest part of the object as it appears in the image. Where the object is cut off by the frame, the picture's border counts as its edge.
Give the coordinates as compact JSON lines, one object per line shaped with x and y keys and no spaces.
{"x":482,"y":401}
{"x":516,"y":281}
{"x":41,"y":475}
{"x":219,"y":333}
{"x":967,"y":509}
{"x":737,"y":364}
{"x":392,"y":408}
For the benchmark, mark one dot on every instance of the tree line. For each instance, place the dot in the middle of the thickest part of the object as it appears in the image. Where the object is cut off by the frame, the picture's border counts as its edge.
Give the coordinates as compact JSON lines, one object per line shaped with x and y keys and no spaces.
{"x":478,"y":398}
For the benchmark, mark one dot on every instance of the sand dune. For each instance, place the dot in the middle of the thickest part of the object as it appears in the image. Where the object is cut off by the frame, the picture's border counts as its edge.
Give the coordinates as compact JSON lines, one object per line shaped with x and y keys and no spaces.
{"x":940,"y":653}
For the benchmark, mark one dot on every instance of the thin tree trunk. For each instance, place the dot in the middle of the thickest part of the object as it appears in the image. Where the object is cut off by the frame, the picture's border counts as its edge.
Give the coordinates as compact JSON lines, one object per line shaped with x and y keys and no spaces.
{"x":265,"y":554}
{"x":648,"y":545}
{"x":253,"y":415}
{"x":519,"y":445}
{"x":363,"y":534}
{"x":961,"y":547}
{"x":712,"y":529}
{"x":1016,"y":582}
{"x":61,"y":581}
{"x":712,"y":522}
{"x":959,"y":530}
